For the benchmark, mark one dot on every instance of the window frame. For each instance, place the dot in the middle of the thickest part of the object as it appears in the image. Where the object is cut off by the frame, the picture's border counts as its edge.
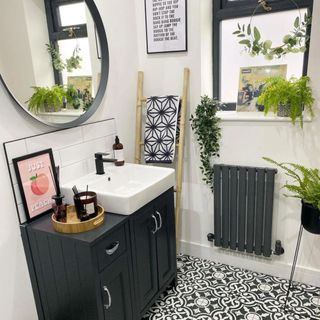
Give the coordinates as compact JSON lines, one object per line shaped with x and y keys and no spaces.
{"x":226,"y":9}
{"x":56,"y":32}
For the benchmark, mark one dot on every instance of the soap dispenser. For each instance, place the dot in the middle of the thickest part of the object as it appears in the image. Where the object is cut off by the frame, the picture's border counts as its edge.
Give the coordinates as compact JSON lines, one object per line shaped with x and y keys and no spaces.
{"x":118,"y":152}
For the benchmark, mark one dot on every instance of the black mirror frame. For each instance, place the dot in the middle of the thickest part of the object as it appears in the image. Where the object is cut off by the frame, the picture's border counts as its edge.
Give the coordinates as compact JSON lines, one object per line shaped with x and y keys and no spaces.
{"x":225,"y":9}
{"x":103,"y":80}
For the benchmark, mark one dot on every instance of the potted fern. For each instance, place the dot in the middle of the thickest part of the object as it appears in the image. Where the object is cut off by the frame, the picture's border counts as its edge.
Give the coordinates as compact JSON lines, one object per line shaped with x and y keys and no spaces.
{"x":287,"y":97}
{"x":305,"y":186}
{"x":46,"y":99}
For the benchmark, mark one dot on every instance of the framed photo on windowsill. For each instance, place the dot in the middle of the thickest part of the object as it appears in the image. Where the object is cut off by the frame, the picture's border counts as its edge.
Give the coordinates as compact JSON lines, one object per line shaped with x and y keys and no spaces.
{"x":37,"y":182}
{"x":166,"y":25}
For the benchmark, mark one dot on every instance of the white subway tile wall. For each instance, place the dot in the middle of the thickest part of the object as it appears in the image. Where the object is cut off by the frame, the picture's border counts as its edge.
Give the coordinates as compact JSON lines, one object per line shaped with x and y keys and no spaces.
{"x":73,"y":150}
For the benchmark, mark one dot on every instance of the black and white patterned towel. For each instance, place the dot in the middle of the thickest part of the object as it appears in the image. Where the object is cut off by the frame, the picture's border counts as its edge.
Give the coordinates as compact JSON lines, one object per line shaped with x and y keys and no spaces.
{"x":160,"y":129}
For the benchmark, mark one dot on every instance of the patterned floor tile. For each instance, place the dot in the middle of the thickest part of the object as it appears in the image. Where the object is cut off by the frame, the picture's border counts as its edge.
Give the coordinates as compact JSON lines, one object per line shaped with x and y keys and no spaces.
{"x":213,"y":291}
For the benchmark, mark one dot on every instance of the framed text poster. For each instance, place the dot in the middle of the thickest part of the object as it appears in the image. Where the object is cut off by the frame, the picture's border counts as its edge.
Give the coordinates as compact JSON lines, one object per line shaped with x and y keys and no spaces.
{"x":37,"y":182}
{"x":166,"y":25}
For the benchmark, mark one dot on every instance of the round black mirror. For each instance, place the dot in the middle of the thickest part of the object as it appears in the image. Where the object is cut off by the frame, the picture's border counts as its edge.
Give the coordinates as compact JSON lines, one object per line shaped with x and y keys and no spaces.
{"x":54,"y":59}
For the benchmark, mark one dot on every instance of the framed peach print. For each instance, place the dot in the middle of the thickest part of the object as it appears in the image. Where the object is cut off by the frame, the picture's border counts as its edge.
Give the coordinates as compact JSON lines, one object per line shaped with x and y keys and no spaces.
{"x":37,"y":182}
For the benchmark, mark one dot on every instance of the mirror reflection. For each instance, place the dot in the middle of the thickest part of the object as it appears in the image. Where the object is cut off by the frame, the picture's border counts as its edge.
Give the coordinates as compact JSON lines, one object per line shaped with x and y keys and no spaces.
{"x":50,"y":57}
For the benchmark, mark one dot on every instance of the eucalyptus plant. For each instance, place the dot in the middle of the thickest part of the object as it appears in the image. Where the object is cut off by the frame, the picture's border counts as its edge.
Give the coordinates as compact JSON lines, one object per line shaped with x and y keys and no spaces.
{"x":293,"y":42}
{"x":306,"y":182}
{"x":206,"y":126}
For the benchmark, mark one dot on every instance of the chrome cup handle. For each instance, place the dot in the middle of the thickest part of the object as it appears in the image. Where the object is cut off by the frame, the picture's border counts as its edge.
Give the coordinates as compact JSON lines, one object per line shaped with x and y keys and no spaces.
{"x":156,"y":224}
{"x":112,"y":250}
{"x":160,"y":219}
{"x":107,"y":306}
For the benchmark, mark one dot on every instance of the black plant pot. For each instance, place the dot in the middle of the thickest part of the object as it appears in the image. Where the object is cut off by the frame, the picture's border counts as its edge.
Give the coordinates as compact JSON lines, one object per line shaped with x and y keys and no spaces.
{"x":310,"y":218}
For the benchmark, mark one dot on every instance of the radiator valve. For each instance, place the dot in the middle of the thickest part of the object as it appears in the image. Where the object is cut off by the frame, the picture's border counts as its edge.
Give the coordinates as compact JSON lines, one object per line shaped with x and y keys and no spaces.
{"x":210,"y":237}
{"x":278,"y":250}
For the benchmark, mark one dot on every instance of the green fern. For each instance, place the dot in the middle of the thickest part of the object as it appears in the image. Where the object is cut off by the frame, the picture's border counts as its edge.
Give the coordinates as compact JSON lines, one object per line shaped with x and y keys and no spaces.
{"x":46,"y":97}
{"x":294,"y":95}
{"x":306,"y":182}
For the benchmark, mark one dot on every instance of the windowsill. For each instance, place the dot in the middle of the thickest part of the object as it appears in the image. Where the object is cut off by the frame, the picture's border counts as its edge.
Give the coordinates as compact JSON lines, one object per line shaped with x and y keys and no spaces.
{"x":254,"y":117}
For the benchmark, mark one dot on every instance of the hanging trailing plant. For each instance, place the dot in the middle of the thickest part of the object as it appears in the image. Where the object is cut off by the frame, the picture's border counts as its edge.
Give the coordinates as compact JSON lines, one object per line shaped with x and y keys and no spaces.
{"x":57,"y":61}
{"x":72,"y":63}
{"x":206,"y":126}
{"x":294,"y":42}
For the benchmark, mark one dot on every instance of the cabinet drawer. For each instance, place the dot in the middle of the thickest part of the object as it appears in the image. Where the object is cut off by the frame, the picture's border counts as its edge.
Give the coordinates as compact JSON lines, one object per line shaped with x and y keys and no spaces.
{"x":111,"y":247}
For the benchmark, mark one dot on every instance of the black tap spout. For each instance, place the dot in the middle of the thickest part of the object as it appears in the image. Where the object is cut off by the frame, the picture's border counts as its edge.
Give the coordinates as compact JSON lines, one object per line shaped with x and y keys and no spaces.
{"x":99,"y":159}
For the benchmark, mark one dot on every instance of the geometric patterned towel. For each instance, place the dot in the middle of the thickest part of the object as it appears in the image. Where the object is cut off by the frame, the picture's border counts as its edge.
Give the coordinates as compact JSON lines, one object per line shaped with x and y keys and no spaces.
{"x":160,"y":129}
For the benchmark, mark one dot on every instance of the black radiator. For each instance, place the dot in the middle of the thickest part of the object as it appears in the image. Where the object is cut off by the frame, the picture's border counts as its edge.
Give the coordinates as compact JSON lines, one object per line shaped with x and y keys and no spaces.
{"x":243,"y":207}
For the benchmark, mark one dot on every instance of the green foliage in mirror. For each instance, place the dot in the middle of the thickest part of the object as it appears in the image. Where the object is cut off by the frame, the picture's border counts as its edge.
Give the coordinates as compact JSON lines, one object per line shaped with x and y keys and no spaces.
{"x":294,"y":42}
{"x":306,"y":182}
{"x":206,"y":126}
{"x":52,"y":99}
{"x":72,"y":63}
{"x":46,"y":99}
{"x":57,"y":61}
{"x":295,"y":95}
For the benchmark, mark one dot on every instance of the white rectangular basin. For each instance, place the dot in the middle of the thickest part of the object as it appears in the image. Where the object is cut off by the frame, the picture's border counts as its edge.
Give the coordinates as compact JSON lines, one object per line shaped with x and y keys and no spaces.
{"x":124,"y":189}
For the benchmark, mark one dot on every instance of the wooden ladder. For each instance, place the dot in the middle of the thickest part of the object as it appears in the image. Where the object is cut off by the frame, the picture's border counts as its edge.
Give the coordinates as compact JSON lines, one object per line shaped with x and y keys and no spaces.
{"x":141,"y":100}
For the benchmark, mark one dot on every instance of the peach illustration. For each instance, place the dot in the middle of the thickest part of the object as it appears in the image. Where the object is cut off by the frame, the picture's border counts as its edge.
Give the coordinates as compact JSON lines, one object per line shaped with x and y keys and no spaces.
{"x":40,"y":184}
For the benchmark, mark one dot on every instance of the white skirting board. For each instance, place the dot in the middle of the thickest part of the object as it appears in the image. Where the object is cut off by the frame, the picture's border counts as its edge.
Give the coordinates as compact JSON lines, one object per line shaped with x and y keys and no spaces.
{"x":250,"y":262}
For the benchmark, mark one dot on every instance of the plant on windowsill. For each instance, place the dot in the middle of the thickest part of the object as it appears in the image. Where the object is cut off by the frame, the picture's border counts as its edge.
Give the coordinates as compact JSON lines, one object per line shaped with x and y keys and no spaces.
{"x":206,"y":126}
{"x":72,"y":96}
{"x":46,"y":99}
{"x":305,"y":186}
{"x":287,"y":97}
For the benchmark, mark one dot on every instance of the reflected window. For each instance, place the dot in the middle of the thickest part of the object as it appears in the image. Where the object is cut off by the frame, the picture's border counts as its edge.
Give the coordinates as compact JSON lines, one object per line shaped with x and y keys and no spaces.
{"x":69,"y":27}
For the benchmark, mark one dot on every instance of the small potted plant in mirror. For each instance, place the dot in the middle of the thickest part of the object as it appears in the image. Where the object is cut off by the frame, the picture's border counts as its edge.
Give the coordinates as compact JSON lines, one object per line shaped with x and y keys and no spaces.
{"x":46,"y":99}
{"x":72,"y":95}
{"x":305,"y":186}
{"x":287,"y":97}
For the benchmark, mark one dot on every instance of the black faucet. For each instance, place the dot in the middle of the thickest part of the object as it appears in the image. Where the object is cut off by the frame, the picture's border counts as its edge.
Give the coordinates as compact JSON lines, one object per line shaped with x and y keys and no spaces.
{"x":99,"y":159}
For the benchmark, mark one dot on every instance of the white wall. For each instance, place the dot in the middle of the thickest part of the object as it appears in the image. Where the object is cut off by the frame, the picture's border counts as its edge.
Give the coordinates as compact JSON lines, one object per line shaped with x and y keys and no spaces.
{"x":15,"y":49}
{"x":16,"y":299}
{"x":242,"y":143}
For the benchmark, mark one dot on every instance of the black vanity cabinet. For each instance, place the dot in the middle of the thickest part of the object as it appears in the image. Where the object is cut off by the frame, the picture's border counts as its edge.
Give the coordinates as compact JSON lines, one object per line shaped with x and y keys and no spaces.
{"x":111,"y":273}
{"x":153,"y":249}
{"x":81,"y":276}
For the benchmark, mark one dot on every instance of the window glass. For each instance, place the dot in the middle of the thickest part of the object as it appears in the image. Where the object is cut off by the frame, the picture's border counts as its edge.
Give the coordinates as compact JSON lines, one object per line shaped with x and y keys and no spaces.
{"x":66,"y":48}
{"x":272,"y":26}
{"x":72,"y":14}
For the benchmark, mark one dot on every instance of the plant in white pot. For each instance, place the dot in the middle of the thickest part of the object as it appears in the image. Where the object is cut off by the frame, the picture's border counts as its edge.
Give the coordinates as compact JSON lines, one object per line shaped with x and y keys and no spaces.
{"x":305,"y":186}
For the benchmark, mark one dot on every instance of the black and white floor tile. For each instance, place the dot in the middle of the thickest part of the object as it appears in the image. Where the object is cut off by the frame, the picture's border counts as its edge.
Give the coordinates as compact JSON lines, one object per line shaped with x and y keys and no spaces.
{"x":207,"y":291}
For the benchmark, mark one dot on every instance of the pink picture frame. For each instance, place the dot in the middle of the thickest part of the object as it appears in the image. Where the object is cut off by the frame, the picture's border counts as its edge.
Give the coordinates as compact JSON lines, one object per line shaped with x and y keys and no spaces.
{"x":37,"y":181}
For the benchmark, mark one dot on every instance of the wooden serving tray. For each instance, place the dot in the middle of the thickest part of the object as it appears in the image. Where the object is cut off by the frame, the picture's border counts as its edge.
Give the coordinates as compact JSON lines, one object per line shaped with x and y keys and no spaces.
{"x":74,"y":225}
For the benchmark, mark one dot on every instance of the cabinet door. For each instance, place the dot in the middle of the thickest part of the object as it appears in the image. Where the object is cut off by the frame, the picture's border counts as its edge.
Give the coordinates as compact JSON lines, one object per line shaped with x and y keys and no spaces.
{"x":145,"y":255}
{"x":115,"y":290}
{"x":166,"y":237}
